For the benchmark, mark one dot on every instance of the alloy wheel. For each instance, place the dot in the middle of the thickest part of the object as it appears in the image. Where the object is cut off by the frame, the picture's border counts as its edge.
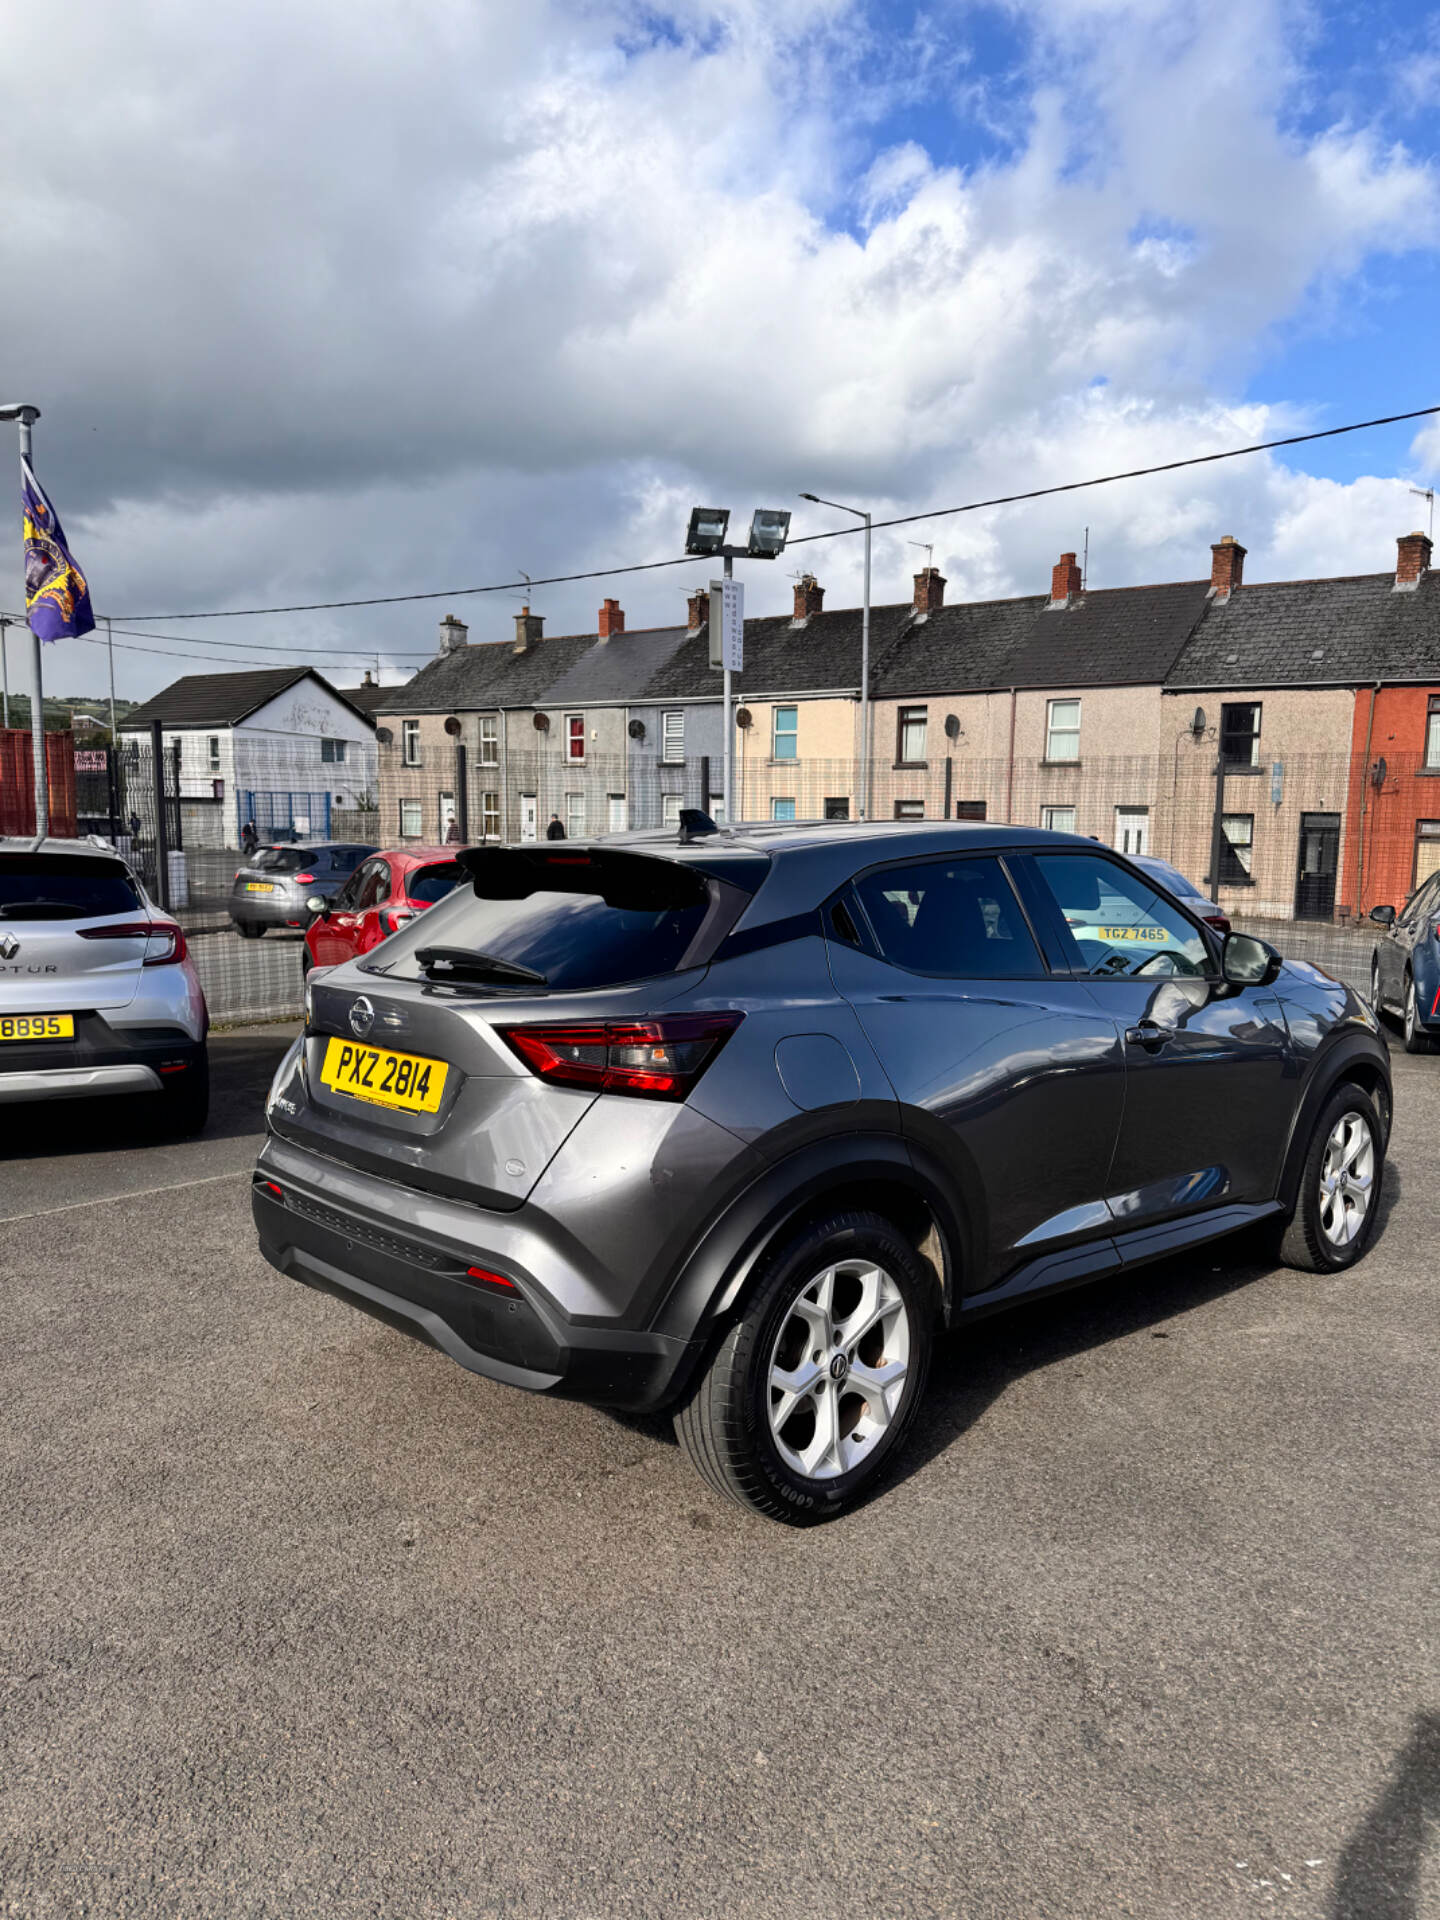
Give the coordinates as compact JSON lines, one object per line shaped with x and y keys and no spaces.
{"x":1347,"y":1177}
{"x":1375,"y":985}
{"x":1411,"y":1016}
{"x":838,"y":1369}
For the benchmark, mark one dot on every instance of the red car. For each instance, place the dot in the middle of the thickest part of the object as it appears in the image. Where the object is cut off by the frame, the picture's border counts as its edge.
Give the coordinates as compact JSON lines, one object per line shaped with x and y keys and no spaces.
{"x":383,"y":893}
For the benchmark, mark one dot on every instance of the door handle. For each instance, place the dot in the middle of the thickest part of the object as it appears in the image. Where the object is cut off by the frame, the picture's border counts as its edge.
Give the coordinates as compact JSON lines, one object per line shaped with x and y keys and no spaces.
{"x":1148,"y":1035}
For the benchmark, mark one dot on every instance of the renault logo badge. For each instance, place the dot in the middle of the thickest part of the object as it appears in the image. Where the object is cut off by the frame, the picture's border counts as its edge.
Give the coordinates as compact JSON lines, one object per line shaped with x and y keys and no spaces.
{"x":9,"y":946}
{"x":362,"y":1017}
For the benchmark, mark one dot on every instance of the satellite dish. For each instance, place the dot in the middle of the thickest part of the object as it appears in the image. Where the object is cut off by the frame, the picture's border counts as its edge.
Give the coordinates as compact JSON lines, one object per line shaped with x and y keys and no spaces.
{"x":1197,"y":723}
{"x":952,"y":720}
{"x":384,"y":736}
{"x":636,"y":729}
{"x":541,"y":722}
{"x":1378,"y":772}
{"x":744,"y":719}
{"x":452,"y":726}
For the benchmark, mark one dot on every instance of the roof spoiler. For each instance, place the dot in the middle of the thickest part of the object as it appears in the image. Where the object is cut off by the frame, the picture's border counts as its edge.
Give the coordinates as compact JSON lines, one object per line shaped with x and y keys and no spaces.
{"x":637,"y":882}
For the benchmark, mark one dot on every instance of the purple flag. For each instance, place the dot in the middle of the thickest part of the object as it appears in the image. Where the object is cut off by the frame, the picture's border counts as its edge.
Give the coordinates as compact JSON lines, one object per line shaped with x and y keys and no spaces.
{"x":56,"y":596}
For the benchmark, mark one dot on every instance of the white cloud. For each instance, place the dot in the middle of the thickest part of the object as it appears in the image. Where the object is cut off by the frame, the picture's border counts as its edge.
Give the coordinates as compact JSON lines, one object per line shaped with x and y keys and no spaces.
{"x":329,"y":300}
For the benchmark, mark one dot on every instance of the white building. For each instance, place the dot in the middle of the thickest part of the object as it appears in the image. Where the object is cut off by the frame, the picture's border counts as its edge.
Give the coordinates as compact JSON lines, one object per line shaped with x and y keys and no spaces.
{"x":278,"y":746}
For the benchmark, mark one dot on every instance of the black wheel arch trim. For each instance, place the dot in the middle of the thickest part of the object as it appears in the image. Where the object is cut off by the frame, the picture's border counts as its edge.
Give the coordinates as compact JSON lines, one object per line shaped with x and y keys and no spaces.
{"x":1345,"y":1051}
{"x":720,"y":1267}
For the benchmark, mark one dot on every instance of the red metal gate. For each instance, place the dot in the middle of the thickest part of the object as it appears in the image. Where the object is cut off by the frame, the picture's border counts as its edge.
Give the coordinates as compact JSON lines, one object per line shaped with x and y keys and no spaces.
{"x":17,"y":782}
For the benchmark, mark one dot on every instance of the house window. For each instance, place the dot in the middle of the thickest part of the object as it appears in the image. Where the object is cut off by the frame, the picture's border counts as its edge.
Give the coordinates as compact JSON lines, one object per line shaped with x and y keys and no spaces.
{"x":575,"y":816}
{"x":969,"y":809}
{"x":410,"y":819}
{"x":787,"y":728}
{"x":574,"y":736}
{"x":213,"y":747}
{"x":1240,"y":733}
{"x":1062,"y":729}
{"x":332,"y":752}
{"x":670,"y":808}
{"x":1058,"y":819}
{"x":489,"y":739}
{"x":782,"y":809}
{"x":1132,"y":829}
{"x":410,"y":742}
{"x":1237,"y":848}
{"x":615,"y":812}
{"x":717,"y":808}
{"x":838,"y":808}
{"x":1432,"y":734}
{"x":910,"y":737}
{"x":909,"y":809}
{"x":672,"y":736}
{"x":1427,"y":851}
{"x":490,"y":816}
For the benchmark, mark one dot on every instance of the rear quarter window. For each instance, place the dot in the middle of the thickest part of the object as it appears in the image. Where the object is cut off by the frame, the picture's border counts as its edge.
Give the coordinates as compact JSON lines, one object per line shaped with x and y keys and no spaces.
{"x":433,"y":883}
{"x":955,"y":918}
{"x":74,"y":887}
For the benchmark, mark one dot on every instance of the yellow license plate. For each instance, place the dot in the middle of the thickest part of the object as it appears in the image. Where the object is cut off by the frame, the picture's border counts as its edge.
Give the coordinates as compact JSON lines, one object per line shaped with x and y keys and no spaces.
{"x":386,"y":1079}
{"x":37,"y":1026}
{"x":259,"y":886}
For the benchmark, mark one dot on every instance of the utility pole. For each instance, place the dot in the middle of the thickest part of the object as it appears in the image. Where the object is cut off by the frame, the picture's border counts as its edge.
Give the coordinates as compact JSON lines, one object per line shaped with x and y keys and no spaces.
{"x":5,"y":668}
{"x":110,"y":648}
{"x":729,"y":724}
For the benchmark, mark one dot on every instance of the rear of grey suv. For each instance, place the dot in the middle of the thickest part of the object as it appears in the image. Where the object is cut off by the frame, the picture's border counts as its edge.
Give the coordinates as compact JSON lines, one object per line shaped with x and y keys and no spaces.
{"x":98,"y":995}
{"x":275,"y":884}
{"x":697,"y":1125}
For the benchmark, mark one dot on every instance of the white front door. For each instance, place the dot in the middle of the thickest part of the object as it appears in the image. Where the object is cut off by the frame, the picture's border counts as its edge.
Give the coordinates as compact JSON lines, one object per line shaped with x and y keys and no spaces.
{"x":529,"y":817}
{"x":447,"y":816}
{"x":617,"y":813}
{"x":1132,"y":829}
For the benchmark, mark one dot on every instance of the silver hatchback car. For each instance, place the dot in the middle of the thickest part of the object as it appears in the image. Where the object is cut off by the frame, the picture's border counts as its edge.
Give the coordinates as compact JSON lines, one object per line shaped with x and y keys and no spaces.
{"x":98,"y":994}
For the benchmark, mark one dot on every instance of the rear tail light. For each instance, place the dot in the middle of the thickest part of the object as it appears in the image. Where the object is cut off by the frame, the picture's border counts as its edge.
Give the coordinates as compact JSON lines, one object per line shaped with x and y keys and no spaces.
{"x":1220,"y":922}
{"x":393,"y":918}
{"x":487,"y":1279}
{"x":304,"y":879}
{"x":656,"y":1059}
{"x":164,"y":942}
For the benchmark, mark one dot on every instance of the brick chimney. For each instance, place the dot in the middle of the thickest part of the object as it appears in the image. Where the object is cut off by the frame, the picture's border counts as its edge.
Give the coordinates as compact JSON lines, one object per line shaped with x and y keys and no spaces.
{"x":453,"y":633}
{"x":529,"y":627}
{"x":369,"y":680}
{"x":1412,"y":561}
{"x":1227,"y":567}
{"x":1065,"y":584}
{"x":698,"y":609}
{"x":612,"y":619}
{"x":809,"y":597}
{"x":929,"y":590}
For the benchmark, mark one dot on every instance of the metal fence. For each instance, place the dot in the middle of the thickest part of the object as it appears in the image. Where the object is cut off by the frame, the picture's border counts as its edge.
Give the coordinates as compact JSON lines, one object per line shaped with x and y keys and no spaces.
{"x":1300,"y":850}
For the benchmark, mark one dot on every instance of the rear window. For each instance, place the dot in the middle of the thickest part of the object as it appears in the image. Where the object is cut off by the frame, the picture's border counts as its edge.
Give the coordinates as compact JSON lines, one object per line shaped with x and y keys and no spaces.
{"x":433,"y":883}
{"x":75,"y":887}
{"x":569,"y":933}
{"x":282,"y":859}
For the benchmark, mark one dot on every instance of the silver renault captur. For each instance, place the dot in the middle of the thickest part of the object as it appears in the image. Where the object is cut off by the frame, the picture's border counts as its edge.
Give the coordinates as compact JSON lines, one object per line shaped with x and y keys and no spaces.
{"x":98,"y":994}
{"x":732,"y":1123}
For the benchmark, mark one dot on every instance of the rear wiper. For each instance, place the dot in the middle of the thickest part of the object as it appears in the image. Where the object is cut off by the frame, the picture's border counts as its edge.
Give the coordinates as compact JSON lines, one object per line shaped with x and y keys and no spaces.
{"x":459,"y":963}
{"x":46,"y":908}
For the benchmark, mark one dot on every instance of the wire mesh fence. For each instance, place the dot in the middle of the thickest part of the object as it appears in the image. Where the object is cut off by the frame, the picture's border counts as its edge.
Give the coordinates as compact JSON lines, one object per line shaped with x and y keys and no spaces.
{"x":1297,"y":850}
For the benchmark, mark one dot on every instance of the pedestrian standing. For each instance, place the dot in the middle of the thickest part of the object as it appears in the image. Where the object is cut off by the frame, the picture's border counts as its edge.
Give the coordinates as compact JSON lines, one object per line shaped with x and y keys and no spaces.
{"x":556,"y":828}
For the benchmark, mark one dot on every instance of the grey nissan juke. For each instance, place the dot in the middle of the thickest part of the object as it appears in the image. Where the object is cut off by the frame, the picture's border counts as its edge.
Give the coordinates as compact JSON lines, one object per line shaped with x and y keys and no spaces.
{"x":733,"y":1123}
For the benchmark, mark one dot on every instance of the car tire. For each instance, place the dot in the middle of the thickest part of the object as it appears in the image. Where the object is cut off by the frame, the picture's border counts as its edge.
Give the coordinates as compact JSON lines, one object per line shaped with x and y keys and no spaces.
{"x":1334,"y":1218}
{"x":186,"y":1099}
{"x":1416,"y":1038}
{"x":248,"y":930}
{"x":767,"y":1409}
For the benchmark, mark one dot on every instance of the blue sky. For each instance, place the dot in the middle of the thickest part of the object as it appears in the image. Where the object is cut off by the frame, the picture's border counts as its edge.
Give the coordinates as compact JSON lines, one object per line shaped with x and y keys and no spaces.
{"x":358,"y":302}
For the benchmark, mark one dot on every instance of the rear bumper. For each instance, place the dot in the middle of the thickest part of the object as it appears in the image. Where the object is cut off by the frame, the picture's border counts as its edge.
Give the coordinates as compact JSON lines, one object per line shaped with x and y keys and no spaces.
{"x":516,"y":1336}
{"x":101,"y":1059}
{"x":267,"y":910}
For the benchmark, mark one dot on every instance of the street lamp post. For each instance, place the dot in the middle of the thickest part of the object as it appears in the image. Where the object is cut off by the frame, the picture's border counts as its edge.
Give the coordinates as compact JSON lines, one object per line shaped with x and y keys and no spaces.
{"x":860,"y":514}
{"x":23,"y":414}
{"x":769,"y":528}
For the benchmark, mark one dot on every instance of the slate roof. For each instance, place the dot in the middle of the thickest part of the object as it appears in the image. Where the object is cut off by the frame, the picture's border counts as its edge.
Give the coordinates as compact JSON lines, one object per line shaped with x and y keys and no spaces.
{"x":489,"y":674}
{"x":1344,"y":632}
{"x":369,"y":699}
{"x":224,"y":699}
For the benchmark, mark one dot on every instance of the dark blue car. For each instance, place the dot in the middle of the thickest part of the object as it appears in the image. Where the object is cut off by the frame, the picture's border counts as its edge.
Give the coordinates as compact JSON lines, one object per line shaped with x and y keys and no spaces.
{"x":1405,"y":967}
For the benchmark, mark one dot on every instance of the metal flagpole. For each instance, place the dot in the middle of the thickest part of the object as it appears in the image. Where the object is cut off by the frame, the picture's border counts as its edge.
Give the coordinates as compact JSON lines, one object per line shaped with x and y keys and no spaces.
{"x":5,"y":669}
{"x":37,"y":705}
{"x":729,"y":719}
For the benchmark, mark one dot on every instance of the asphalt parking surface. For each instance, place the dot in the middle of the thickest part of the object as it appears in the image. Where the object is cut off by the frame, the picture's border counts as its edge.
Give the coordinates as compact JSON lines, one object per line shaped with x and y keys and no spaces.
{"x":297,"y":1618}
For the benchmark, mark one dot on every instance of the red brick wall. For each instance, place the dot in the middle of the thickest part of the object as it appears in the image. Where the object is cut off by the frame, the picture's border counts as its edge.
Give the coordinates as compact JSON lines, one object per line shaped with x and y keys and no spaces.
{"x":1386,"y":846}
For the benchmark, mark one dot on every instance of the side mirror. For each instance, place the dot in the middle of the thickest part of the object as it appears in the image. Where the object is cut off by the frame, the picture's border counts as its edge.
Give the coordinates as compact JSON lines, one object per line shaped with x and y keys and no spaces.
{"x":319,"y":906}
{"x":1383,"y":916}
{"x":1248,"y":962}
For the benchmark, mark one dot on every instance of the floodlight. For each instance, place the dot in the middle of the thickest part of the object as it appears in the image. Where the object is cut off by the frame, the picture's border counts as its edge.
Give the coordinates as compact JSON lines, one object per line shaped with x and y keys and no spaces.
{"x":768,"y":531}
{"x":706,"y":532}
